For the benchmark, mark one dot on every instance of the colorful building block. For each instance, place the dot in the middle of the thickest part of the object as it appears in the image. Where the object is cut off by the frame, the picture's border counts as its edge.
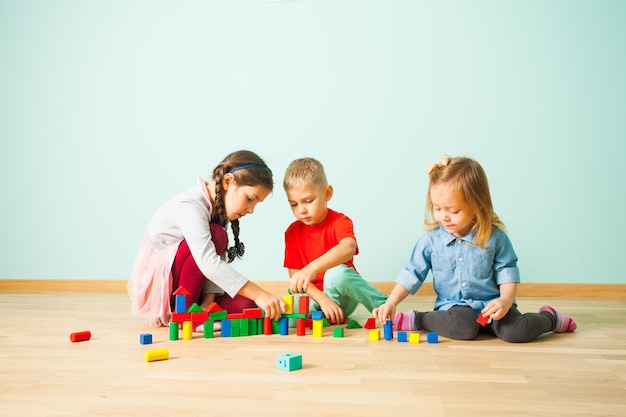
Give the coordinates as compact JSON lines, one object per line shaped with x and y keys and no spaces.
{"x":303,"y":304}
{"x":174,"y":330}
{"x":374,"y":334}
{"x":252,"y":313}
{"x":318,"y":328}
{"x":414,"y":338}
{"x":482,"y":320}
{"x":208,"y":329}
{"x":403,"y":337}
{"x":288,"y":304}
{"x":301,"y":327}
{"x":338,"y":332}
{"x":432,"y":337}
{"x":145,"y":339}
{"x":80,"y":336}
{"x":317,"y":315}
{"x":388,"y":330}
{"x":187,"y":330}
{"x":157,"y":355}
{"x":353,"y":325}
{"x":284,"y":326}
{"x":289,"y":361}
{"x":370,"y":323}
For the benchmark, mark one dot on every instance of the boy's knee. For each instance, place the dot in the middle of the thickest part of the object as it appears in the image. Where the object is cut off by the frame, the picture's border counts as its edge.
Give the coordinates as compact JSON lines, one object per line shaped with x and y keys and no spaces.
{"x":334,"y":277}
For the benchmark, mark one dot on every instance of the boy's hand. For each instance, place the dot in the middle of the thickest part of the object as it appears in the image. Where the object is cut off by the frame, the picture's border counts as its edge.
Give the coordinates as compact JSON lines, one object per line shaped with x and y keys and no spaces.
{"x":332,"y":311}
{"x":384,"y":312}
{"x":300,"y":280}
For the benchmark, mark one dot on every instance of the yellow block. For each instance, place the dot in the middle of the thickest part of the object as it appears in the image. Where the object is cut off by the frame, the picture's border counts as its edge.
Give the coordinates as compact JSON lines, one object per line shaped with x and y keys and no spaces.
{"x":157,"y":354}
{"x":375,"y":334}
{"x":187,"y":333}
{"x":289,"y":301}
{"x":318,"y":328}
{"x":414,"y":337}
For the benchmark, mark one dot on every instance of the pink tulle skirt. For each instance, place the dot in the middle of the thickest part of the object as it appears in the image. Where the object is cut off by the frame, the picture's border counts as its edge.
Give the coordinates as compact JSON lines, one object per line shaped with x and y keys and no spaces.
{"x":150,"y":283}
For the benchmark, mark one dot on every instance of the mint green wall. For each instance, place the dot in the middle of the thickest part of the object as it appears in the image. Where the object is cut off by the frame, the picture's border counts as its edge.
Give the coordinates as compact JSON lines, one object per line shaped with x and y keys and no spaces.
{"x":109,"y":108}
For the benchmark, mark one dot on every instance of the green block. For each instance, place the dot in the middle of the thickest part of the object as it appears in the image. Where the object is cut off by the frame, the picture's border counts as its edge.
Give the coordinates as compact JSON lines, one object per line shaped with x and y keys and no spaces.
{"x":195,"y":308}
{"x":244,"y":327}
{"x":208,"y":329}
{"x":353,"y":325}
{"x":218,"y":315}
{"x":338,"y":332}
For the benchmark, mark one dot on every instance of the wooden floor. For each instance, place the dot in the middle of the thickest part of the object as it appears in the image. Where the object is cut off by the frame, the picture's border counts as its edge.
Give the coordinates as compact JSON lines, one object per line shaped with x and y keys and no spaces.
{"x":43,"y":374}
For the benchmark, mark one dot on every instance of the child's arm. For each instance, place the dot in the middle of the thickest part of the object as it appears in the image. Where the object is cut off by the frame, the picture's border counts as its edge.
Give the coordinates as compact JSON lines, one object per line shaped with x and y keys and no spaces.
{"x":342,"y":252}
{"x":332,"y":311}
{"x":500,"y":306}
{"x":387,"y":311}
{"x":271,"y":304}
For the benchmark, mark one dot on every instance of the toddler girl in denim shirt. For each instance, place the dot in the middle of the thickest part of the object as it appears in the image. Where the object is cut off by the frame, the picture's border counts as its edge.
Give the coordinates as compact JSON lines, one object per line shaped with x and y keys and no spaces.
{"x":474,"y":266}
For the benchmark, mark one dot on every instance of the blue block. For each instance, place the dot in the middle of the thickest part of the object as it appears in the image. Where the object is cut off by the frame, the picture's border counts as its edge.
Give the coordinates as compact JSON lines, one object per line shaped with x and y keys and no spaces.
{"x":403,"y":337}
{"x":289,"y":361}
{"x":432,"y":337}
{"x":284,"y":326}
{"x":388,"y":330}
{"x":145,"y":339}
{"x":317,"y":315}
{"x":226,"y":328}
{"x":181,"y":303}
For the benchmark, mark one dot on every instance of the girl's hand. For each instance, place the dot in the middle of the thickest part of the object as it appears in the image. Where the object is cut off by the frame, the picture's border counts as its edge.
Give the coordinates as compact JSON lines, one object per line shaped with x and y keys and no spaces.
{"x":384,"y":312}
{"x":332,"y":311}
{"x":497,"y":308}
{"x":271,"y":304}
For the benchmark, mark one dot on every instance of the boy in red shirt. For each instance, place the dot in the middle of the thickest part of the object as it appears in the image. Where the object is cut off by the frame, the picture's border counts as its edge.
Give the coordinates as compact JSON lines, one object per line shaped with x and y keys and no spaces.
{"x":320,"y":246}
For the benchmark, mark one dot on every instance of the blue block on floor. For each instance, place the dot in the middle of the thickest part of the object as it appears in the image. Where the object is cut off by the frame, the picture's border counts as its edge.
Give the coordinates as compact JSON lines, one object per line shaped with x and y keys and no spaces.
{"x":432,"y":337}
{"x":145,"y":339}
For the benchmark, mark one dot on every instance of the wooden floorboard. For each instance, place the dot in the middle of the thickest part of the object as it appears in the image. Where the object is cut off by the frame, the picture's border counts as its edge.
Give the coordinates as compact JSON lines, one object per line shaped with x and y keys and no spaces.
{"x":43,"y":374}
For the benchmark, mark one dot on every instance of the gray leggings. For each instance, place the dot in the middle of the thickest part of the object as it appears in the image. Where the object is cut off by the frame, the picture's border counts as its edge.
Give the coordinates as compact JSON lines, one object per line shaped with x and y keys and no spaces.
{"x":459,"y":322}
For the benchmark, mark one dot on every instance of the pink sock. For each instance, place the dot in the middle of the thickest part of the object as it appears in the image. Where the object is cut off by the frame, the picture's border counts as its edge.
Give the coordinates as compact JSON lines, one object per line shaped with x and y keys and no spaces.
{"x":563,"y":322}
{"x":405,"y":321}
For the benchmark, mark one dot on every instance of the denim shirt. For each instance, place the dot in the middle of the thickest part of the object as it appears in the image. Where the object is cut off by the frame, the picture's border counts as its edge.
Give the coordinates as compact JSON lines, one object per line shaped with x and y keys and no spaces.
{"x":462,"y":274}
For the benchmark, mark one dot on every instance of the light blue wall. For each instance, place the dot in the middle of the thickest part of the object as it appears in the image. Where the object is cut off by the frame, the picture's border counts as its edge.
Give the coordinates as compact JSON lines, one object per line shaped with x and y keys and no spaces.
{"x":108,"y":108}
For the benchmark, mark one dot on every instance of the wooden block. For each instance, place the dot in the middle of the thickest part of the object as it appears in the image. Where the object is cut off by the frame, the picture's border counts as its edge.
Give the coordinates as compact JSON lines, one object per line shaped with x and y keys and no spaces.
{"x":289,"y":361}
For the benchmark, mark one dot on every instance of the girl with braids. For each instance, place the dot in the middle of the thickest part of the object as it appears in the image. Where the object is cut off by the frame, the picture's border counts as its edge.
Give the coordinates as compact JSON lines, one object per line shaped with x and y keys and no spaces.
{"x":185,"y":245}
{"x":473,"y":264}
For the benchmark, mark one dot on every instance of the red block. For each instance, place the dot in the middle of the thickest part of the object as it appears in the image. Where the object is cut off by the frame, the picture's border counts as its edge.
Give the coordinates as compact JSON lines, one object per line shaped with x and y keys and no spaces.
{"x":181,"y":317}
{"x":482,"y":320}
{"x":267,"y":325}
{"x":301,"y":327}
{"x":213,"y":307}
{"x":252,"y":313}
{"x":303,"y":304}
{"x":80,"y":336}
{"x":370,"y":323}
{"x":199,"y":317}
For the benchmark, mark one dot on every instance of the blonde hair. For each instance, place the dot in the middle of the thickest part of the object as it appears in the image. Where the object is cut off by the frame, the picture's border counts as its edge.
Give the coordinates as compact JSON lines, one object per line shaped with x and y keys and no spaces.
{"x":304,"y":171}
{"x":468,"y":179}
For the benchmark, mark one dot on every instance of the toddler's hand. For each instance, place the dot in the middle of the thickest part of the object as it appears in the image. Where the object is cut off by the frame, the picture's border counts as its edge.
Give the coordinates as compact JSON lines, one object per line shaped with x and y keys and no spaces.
{"x":497,"y":308}
{"x":384,"y":312}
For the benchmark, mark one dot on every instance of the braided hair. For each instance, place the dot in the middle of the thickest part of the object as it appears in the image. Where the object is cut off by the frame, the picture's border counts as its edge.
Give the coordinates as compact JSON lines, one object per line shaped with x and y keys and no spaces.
{"x":248,"y":169}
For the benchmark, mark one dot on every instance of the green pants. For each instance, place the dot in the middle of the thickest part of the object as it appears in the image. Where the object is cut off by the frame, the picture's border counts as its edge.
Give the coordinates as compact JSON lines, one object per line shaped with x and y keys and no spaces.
{"x":348,"y":289}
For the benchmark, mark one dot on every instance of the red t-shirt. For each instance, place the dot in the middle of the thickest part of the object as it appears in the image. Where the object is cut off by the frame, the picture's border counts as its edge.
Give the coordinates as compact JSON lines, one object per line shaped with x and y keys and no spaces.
{"x":304,"y":244}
